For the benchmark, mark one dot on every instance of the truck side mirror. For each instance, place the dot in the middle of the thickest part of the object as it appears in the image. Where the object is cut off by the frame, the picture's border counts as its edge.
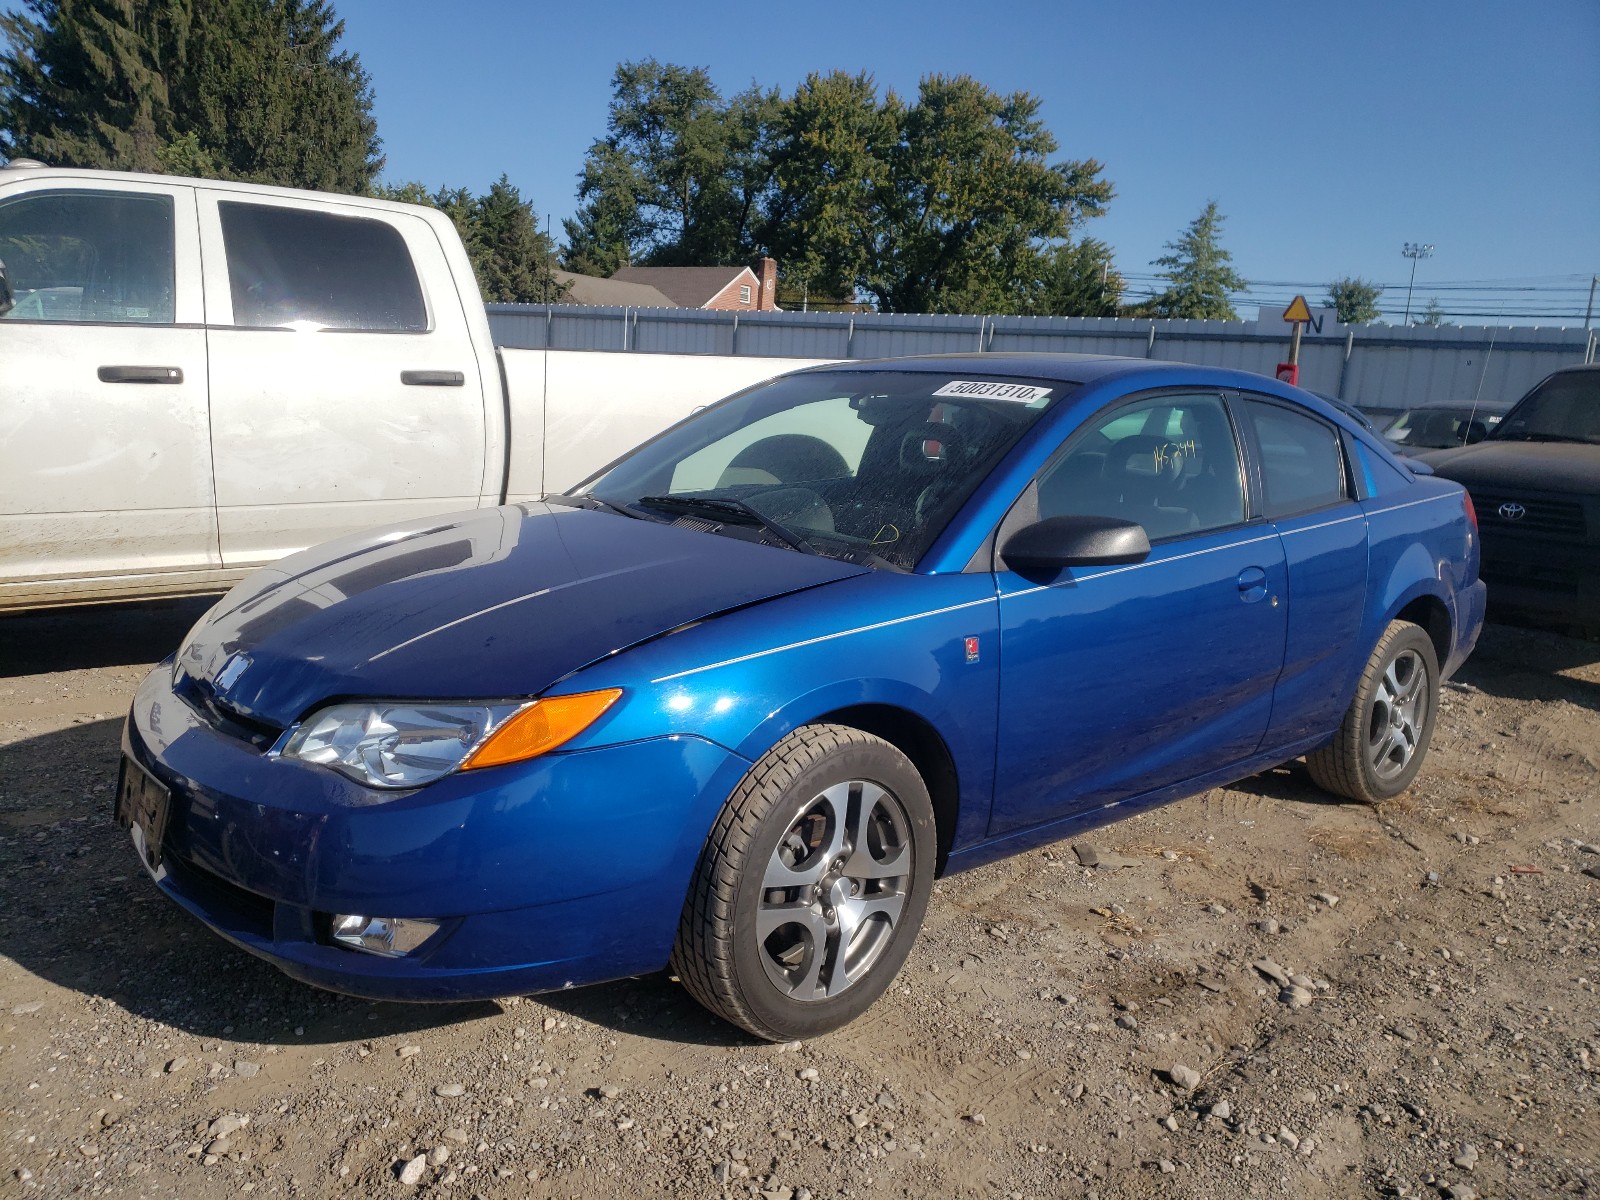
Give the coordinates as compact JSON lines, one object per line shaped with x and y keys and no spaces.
{"x":8,"y":298}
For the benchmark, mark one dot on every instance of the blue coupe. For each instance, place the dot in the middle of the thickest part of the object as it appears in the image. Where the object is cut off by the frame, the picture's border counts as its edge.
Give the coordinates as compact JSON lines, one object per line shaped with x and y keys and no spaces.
{"x":734,"y":702}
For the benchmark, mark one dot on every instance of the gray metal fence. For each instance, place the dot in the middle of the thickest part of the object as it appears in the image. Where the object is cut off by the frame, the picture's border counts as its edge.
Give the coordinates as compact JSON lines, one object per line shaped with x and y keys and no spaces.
{"x":1375,"y":366}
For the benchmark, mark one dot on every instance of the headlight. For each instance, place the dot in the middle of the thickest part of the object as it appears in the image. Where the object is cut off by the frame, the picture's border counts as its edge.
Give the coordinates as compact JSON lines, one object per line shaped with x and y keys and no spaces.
{"x":404,"y":745}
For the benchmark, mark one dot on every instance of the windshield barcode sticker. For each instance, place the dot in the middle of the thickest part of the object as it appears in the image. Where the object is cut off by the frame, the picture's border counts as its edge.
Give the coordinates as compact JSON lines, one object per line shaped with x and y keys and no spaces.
{"x":1023,"y":393}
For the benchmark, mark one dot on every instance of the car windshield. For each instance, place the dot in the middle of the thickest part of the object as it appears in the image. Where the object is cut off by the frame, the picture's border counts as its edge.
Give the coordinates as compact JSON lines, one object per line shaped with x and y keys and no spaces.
{"x":1564,"y":408}
{"x":868,"y":466}
{"x":1437,"y":428}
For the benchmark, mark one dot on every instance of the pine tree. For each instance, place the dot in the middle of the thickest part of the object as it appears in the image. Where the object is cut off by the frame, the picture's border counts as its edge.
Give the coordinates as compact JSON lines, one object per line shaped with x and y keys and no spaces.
{"x":1200,"y":273}
{"x":255,"y":90}
{"x":511,"y":257}
{"x":514,"y":258}
{"x":82,"y":82}
{"x":1078,"y":280}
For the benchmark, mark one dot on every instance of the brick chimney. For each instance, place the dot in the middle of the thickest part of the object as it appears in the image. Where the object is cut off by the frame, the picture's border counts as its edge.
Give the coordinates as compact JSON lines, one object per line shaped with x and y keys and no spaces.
{"x":767,"y":268}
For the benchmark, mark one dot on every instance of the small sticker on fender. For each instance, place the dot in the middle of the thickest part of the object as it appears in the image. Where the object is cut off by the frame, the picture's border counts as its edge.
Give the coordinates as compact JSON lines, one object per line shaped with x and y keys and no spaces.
{"x":988,"y":389}
{"x":972,"y":649}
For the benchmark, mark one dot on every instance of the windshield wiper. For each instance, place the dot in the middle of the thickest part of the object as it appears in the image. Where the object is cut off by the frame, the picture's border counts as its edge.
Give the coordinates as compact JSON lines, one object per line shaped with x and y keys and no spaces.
{"x":724,"y":507}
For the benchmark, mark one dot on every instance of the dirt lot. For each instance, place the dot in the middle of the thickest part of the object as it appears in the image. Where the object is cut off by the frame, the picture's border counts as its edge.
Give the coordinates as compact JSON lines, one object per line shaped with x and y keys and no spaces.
{"x":1400,"y":1002}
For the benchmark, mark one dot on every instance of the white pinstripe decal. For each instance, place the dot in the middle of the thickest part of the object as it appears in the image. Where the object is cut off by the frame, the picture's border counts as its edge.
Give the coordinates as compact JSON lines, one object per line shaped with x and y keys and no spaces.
{"x":826,"y":637}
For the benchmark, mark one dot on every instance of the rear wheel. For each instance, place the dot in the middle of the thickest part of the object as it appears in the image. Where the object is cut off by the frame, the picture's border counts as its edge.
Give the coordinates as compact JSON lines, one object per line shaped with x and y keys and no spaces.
{"x":1385,"y":733}
{"x":811,"y":887}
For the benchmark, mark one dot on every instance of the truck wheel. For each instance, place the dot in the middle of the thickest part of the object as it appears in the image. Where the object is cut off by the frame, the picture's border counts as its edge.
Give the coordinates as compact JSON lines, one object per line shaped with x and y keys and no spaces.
{"x":1385,"y":733}
{"x":811,"y":887}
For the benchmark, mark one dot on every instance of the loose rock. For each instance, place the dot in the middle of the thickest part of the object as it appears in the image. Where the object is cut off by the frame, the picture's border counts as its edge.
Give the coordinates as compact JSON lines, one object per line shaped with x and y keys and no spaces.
{"x":1186,"y":1078}
{"x":412,"y":1171}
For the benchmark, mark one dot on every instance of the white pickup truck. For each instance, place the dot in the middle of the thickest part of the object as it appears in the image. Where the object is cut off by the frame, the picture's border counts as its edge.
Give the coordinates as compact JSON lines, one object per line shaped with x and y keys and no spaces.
{"x":197,"y":378}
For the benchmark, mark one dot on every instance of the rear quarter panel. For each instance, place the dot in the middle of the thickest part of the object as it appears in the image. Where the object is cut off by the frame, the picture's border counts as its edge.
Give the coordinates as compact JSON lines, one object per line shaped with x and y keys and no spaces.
{"x":1423,"y":545}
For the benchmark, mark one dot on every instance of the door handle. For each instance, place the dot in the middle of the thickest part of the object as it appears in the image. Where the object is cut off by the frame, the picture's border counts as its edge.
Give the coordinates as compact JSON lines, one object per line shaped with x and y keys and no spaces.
{"x":433,"y":378}
{"x":140,"y":374}
{"x":1252,"y":584}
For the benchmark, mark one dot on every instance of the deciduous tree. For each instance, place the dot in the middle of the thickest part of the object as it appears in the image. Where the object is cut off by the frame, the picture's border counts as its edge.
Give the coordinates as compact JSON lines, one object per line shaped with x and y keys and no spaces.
{"x":945,"y":204}
{"x":681,"y":177}
{"x":1354,"y":300}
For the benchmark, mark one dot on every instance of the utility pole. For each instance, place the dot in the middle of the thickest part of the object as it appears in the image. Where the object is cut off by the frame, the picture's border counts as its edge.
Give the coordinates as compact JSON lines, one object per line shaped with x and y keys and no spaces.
{"x":1414,"y":251}
{"x":1588,"y":313}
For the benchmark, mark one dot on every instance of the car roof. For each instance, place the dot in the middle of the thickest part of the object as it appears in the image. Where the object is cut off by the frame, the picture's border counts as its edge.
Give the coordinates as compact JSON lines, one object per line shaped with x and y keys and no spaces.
{"x":1067,"y":368}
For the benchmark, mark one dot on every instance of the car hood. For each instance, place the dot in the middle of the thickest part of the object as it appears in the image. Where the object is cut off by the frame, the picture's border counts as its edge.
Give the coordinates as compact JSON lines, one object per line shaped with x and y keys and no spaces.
{"x":1538,"y":466}
{"x":494,"y":604}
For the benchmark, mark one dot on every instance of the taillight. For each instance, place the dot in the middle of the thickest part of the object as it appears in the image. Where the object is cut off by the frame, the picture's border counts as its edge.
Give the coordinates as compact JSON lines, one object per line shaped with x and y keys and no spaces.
{"x":1472,"y":512}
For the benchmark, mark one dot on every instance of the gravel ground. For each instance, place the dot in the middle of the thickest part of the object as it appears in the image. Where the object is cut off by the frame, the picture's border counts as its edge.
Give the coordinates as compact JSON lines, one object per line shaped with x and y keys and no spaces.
{"x":1256,"y":992}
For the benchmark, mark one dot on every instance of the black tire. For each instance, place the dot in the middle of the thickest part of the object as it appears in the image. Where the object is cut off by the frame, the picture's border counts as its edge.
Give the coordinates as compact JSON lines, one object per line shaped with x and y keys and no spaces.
{"x":1384,"y":735}
{"x":783,"y":824}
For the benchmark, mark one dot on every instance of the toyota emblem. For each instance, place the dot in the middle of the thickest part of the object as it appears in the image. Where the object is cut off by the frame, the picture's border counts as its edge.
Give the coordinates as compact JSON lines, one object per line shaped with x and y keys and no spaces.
{"x":1512,"y":511}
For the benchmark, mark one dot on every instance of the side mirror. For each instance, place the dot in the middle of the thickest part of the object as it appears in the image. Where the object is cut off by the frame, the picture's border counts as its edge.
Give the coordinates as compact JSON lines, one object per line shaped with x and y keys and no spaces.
{"x":1476,"y":432}
{"x":1058,"y":542}
{"x":8,"y":298}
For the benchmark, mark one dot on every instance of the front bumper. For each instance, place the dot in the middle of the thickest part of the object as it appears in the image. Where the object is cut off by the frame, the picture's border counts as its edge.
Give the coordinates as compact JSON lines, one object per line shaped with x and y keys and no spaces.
{"x":1545,"y":579}
{"x":566,"y":870}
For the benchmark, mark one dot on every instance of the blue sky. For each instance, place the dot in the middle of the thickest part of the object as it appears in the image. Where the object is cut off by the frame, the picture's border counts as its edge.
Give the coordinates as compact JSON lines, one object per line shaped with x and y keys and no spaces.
{"x":1329,"y":133}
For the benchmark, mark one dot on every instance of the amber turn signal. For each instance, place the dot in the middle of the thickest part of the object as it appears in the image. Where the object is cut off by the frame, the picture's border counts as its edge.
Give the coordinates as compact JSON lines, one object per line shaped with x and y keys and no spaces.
{"x":543,"y":725}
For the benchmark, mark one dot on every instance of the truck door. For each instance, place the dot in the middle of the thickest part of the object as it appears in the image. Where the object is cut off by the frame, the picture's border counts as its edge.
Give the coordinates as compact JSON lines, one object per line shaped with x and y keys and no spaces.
{"x":105,"y":456}
{"x":345,"y":387}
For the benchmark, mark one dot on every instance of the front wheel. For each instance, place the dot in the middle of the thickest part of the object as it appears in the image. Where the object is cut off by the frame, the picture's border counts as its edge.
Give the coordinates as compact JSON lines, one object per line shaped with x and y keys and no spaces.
{"x":811,"y":887}
{"x":1385,"y":733}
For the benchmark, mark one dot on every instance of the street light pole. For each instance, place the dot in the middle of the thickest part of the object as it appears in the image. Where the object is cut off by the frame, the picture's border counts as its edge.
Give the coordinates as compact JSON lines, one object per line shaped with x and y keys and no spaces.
{"x":1414,"y":251}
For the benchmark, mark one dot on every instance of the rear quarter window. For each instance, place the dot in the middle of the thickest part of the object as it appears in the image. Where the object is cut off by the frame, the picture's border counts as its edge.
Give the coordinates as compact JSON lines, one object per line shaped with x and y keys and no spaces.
{"x":1301,"y":466}
{"x":1373,"y":475}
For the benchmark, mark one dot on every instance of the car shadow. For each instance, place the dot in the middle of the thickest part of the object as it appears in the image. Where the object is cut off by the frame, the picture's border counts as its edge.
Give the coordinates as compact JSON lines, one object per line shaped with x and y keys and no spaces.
{"x":1515,"y":663}
{"x":80,"y":914}
{"x":1291,"y":782}
{"x":108,"y":635}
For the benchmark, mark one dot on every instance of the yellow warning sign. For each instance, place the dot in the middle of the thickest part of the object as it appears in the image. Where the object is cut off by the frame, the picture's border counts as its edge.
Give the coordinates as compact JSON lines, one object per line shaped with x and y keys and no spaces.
{"x":1298,"y":311}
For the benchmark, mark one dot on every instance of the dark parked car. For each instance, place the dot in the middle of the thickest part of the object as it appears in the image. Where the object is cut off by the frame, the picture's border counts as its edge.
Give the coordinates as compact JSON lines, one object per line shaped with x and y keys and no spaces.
{"x":735,"y":702}
{"x":1437,"y":426}
{"x":1536,"y":483}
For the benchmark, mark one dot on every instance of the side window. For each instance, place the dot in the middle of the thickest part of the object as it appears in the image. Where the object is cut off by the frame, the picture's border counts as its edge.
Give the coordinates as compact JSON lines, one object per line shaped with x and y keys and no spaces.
{"x":1169,"y":464}
{"x":305,"y":269}
{"x":1301,"y":468}
{"x":102,"y":257}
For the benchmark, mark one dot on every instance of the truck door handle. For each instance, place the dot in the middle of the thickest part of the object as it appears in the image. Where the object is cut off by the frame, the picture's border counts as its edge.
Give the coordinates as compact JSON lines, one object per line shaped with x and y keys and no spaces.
{"x":140,"y":374}
{"x":433,"y":378}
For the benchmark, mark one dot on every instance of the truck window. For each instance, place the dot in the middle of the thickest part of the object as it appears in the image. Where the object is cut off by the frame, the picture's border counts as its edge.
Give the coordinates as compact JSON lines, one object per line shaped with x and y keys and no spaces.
{"x":99,"y":257}
{"x":301,"y":269}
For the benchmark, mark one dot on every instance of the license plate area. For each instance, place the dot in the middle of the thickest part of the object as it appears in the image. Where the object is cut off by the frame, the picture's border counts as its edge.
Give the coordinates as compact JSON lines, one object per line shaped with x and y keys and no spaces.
{"x":143,"y":807}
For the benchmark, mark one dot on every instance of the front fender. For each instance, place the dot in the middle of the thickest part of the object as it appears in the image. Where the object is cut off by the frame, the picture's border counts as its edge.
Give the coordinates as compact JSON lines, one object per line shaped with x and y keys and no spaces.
{"x":746,"y":679}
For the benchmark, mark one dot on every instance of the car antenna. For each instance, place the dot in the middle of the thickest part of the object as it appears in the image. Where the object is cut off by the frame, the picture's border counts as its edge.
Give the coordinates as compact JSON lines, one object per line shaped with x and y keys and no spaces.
{"x":1472,"y":416}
